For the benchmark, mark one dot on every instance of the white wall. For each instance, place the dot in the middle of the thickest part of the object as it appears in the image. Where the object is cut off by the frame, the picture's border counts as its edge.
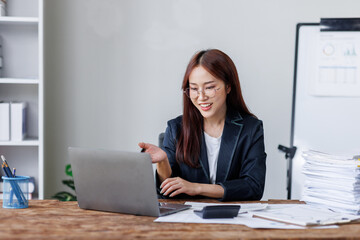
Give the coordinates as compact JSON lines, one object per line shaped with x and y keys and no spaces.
{"x":113,"y":69}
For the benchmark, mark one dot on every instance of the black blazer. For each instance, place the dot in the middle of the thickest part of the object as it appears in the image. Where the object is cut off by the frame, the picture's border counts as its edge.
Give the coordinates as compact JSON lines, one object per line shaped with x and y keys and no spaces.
{"x":241,"y":165}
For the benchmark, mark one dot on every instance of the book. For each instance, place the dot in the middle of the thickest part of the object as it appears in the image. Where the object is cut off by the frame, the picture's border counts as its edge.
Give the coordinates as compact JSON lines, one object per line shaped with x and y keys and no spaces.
{"x":4,"y":121}
{"x":18,"y":121}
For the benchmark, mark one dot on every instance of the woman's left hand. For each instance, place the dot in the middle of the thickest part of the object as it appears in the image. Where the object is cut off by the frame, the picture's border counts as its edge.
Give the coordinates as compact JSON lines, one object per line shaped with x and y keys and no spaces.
{"x":177,"y":186}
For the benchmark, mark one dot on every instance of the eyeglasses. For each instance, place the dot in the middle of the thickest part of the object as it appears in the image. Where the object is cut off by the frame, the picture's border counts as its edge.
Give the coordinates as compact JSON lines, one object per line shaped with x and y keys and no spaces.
{"x":208,"y":91}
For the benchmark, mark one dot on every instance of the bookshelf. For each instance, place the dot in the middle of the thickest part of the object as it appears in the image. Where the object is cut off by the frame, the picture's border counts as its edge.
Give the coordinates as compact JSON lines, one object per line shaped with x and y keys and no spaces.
{"x":21,"y":79}
{"x":19,"y":20}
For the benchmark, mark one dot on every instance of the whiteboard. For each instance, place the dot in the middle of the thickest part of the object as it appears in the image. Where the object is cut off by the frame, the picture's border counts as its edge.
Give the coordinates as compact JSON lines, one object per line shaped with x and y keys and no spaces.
{"x":326,"y":101}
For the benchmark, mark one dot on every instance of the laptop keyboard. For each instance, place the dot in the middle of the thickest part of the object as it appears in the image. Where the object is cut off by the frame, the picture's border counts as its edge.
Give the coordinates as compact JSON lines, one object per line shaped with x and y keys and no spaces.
{"x":168,"y":208}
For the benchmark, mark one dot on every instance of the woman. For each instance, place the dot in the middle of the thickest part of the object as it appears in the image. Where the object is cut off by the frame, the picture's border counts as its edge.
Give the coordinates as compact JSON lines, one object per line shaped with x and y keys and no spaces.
{"x":216,"y":148}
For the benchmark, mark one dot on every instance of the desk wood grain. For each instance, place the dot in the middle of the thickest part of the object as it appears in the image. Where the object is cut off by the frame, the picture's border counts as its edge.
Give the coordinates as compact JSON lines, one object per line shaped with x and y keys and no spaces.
{"x":51,"y":219}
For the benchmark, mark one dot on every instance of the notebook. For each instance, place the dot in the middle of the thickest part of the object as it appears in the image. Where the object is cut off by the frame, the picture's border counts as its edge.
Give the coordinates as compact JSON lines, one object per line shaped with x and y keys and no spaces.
{"x":117,"y":181}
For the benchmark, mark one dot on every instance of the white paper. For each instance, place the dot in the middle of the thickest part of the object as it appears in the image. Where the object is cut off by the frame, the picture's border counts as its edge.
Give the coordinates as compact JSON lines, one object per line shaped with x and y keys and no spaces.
{"x":338,"y":69}
{"x":244,"y":217}
{"x":244,"y":208}
{"x":306,"y":215}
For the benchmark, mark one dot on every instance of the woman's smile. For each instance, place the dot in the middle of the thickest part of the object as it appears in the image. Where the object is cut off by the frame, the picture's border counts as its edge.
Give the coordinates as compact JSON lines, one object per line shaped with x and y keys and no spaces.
{"x":205,"y":106}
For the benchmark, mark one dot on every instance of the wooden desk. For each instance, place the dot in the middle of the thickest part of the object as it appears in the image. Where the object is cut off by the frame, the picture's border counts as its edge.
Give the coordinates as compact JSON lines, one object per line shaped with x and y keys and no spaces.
{"x":51,"y":219}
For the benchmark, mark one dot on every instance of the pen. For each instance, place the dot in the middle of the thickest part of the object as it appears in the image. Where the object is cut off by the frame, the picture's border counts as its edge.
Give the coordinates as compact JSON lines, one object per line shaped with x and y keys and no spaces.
{"x":11,"y":191}
{"x":15,"y":187}
{"x":5,"y":167}
{"x":7,"y":171}
{"x":11,"y":195}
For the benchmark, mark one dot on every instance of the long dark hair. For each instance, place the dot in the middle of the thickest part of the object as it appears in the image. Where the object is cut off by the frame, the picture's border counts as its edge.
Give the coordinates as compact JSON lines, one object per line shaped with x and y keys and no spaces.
{"x":222,"y":67}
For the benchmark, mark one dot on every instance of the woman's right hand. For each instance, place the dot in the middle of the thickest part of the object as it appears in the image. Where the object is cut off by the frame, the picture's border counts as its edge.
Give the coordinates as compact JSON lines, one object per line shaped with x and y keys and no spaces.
{"x":157,"y":154}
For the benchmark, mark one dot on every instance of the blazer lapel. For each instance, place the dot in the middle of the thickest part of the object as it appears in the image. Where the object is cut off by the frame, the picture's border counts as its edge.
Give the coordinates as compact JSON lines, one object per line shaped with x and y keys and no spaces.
{"x":229,"y":140}
{"x":203,"y":158}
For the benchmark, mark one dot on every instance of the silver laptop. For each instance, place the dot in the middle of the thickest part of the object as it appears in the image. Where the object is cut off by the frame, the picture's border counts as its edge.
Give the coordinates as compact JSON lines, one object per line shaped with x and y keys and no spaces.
{"x":117,"y":181}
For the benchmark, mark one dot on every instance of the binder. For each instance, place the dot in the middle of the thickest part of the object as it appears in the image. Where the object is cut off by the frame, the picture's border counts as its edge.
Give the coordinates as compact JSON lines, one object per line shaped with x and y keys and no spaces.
{"x":4,"y":121}
{"x":18,"y":121}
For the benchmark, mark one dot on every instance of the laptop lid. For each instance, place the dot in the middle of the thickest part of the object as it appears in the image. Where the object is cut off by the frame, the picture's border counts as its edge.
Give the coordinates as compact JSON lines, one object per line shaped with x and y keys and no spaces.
{"x":114,"y":181}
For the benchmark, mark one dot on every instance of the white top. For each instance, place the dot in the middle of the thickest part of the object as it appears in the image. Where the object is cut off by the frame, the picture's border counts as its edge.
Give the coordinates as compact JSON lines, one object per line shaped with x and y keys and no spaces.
{"x":212,"y":148}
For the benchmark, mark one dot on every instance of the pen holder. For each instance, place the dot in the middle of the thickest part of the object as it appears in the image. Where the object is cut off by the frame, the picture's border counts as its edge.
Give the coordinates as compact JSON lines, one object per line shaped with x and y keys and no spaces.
{"x":16,"y":192}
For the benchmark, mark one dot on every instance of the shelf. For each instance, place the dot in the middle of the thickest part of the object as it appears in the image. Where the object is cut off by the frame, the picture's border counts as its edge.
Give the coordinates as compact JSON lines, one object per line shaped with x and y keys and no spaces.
{"x":19,"y":80}
{"x":25,"y":142}
{"x":19,"y":20}
{"x":22,"y":80}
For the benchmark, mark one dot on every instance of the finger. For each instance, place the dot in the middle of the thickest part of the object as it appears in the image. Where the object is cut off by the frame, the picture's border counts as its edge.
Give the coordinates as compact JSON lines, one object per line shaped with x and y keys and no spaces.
{"x":177,"y":192}
{"x":145,"y":145}
{"x":172,"y":189}
{"x":166,"y":186}
{"x":166,"y":181}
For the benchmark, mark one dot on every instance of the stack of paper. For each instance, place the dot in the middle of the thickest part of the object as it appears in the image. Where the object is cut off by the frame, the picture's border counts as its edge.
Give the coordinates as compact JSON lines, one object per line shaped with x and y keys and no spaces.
{"x":332,"y":181}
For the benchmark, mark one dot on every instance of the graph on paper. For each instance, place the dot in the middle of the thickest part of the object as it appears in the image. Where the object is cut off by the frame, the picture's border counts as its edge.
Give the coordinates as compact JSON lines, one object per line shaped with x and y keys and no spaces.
{"x":338,"y":65}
